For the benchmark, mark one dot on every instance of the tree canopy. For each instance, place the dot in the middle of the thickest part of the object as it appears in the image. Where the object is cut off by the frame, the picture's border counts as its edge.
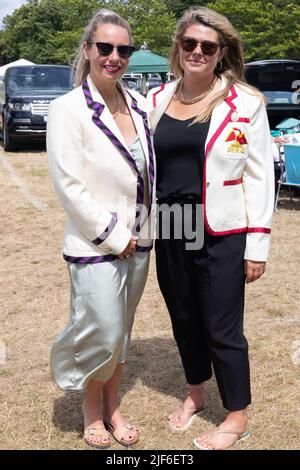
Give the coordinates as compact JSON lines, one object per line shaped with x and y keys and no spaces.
{"x":269,"y":29}
{"x":49,"y":31}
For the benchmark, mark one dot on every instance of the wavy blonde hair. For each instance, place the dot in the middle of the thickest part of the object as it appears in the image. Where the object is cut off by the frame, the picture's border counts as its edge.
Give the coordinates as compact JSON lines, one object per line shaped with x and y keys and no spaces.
{"x":81,"y":66}
{"x":232,"y":62}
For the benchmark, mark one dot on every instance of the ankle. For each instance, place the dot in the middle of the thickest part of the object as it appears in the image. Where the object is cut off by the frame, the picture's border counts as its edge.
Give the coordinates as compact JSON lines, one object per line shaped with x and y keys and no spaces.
{"x":238,"y":415}
{"x":195,"y":394}
{"x":237,"y":418}
{"x":195,"y":387}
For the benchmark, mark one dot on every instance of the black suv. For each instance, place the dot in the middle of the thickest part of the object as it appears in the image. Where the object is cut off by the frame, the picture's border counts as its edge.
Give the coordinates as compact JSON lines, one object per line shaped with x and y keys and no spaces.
{"x":279,"y":80}
{"x":25,"y":95}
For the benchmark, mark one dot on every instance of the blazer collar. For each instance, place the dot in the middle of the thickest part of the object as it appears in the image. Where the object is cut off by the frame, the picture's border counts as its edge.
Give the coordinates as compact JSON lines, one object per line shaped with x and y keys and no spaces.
{"x":221,"y":115}
{"x":168,"y":93}
{"x":109,"y":121}
{"x":163,"y":103}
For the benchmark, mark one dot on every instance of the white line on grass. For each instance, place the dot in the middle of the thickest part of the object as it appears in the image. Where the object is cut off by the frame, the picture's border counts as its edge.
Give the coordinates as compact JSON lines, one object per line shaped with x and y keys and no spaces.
{"x":34,"y":200}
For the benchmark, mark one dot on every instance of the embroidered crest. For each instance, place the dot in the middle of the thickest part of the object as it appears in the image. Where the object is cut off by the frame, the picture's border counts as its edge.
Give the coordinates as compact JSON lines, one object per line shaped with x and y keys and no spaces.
{"x":238,"y":139}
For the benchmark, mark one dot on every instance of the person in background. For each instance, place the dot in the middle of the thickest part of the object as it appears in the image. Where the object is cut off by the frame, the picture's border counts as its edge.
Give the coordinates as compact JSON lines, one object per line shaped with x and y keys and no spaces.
{"x":101,"y":162}
{"x":213,"y":147}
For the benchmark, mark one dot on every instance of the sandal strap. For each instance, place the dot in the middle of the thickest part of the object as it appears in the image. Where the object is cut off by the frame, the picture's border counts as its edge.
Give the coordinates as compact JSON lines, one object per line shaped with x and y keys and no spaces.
{"x":179,"y":412}
{"x":97,"y":432}
{"x":225,"y":431}
{"x":122,"y":431}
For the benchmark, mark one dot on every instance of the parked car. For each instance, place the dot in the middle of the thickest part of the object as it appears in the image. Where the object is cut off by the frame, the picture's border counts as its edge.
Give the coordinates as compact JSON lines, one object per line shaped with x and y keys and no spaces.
{"x":132,"y":82}
{"x":277,"y":79}
{"x":153,"y":82}
{"x":25,"y":95}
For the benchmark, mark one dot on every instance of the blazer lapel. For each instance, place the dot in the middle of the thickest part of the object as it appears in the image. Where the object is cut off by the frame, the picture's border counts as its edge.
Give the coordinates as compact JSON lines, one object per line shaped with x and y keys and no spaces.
{"x":159,"y":110}
{"x":220,"y":117}
{"x":140,"y":119}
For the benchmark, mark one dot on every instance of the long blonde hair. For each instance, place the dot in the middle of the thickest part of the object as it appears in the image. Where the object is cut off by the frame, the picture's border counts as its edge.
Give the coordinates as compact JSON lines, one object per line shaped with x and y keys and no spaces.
{"x":81,"y":65}
{"x":232,"y":68}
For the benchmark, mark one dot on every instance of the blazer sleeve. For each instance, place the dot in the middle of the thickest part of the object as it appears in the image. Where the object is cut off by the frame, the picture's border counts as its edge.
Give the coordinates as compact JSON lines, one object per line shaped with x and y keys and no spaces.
{"x":65,"y":156}
{"x":258,"y":182}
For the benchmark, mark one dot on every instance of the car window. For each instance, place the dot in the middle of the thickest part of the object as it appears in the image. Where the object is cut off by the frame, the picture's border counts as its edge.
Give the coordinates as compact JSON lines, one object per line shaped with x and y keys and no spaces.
{"x":276,"y":83}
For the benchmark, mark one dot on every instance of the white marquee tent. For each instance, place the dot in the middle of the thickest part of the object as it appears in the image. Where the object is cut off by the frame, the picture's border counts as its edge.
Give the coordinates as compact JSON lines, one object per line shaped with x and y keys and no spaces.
{"x":11,"y":64}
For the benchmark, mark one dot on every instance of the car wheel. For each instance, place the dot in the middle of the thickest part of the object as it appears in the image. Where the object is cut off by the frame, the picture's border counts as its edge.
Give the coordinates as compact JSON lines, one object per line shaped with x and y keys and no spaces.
{"x":8,"y":145}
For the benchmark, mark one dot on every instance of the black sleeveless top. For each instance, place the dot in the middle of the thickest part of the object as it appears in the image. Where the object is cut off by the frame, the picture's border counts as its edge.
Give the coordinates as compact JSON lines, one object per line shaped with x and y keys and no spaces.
{"x":179,"y":150}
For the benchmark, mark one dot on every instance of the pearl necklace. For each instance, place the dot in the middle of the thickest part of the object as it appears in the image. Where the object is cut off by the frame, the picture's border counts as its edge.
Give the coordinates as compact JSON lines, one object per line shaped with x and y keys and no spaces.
{"x":197,"y":98}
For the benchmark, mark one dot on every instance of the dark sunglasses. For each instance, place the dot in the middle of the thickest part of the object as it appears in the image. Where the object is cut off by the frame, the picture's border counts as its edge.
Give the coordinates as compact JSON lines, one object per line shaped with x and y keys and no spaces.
{"x":207,"y":47}
{"x":105,"y":49}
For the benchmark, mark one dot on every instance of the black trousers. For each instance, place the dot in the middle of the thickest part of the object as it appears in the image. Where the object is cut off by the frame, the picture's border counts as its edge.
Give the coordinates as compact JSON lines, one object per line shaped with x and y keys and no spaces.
{"x":204,"y":293}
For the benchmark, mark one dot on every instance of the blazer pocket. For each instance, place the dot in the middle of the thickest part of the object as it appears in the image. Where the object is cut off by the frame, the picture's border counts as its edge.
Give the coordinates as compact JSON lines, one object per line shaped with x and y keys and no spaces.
{"x":232,"y":182}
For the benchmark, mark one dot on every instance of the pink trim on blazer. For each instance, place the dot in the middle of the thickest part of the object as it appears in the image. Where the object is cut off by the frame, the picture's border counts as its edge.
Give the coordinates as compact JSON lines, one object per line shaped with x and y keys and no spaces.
{"x":232,"y":182}
{"x":156,"y":93}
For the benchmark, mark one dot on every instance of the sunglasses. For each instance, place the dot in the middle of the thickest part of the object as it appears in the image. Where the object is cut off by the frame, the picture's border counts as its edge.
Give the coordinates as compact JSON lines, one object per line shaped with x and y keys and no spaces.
{"x":207,"y":47}
{"x":105,"y":49}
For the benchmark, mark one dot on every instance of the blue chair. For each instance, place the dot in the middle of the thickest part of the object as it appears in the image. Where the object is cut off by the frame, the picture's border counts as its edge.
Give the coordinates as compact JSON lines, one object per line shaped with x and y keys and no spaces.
{"x":291,"y":174}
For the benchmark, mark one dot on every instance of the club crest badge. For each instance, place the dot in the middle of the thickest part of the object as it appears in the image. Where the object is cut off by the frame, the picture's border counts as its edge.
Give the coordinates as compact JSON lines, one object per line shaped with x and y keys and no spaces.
{"x":238,"y":141}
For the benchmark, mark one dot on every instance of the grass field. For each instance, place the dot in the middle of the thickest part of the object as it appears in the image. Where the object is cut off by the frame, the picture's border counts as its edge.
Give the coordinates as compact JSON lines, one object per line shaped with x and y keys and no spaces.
{"x":35,"y":414}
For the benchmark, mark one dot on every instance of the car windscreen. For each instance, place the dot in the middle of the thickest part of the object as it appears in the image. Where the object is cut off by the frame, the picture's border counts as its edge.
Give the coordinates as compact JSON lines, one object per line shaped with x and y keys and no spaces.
{"x":278,"y":85}
{"x":39,"y":78}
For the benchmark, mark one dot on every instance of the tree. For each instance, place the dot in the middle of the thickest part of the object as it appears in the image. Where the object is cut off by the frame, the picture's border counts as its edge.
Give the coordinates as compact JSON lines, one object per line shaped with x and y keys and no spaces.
{"x":268,"y":29}
{"x":151,"y":22}
{"x":179,"y":6}
{"x":50,"y":30}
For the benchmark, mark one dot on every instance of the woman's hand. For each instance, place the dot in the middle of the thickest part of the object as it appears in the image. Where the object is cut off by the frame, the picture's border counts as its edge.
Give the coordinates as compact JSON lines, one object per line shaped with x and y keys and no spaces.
{"x":253,"y":270}
{"x":129,"y":250}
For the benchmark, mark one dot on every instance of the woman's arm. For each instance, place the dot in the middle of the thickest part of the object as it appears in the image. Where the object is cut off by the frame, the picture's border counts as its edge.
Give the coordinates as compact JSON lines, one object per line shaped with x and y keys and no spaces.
{"x":65,"y":154}
{"x":258,"y":183}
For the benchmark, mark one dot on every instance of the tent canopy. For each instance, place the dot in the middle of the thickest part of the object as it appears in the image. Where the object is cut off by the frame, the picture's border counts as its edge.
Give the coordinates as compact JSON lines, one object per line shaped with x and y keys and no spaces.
{"x":144,"y":61}
{"x":288,"y":123}
{"x":12,"y":64}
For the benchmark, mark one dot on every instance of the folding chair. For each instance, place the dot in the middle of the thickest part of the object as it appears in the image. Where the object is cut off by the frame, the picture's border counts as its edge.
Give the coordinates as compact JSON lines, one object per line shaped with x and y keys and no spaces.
{"x":290,"y":169}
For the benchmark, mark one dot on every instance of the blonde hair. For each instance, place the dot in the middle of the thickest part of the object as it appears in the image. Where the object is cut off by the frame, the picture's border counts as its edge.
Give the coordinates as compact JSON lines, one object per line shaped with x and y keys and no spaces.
{"x":81,"y":65}
{"x":232,"y":64}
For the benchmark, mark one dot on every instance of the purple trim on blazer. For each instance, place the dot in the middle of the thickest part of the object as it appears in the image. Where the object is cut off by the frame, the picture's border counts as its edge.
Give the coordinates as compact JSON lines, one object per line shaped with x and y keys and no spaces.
{"x":141,"y":249}
{"x":89,"y":259}
{"x":98,"y":109}
{"x":149,"y":143}
{"x":100,"y":259}
{"x":107,"y":231}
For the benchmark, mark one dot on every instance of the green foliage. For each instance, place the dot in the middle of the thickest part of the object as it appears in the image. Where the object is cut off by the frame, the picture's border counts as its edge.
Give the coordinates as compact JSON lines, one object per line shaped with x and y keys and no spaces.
{"x":269,"y":29}
{"x":49,"y":31}
{"x":151,"y":22}
{"x":179,"y":6}
{"x":46,"y":31}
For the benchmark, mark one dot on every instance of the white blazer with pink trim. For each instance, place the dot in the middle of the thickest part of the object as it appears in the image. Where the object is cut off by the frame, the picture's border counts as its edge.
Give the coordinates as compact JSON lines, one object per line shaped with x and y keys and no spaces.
{"x":238,"y":174}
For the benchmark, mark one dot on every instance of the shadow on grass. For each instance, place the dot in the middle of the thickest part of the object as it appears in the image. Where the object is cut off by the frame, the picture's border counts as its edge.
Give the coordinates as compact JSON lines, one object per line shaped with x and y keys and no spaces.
{"x":289,"y":200}
{"x":156,"y":363}
{"x":30,"y":147}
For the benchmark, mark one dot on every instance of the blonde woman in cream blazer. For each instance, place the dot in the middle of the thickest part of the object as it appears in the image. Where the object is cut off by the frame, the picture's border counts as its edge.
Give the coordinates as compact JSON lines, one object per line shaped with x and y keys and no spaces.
{"x":101,"y":162}
{"x":213,"y":152}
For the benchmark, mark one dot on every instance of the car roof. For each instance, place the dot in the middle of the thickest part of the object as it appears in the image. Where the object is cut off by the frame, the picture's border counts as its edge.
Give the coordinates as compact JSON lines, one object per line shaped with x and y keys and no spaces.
{"x":273,"y":61}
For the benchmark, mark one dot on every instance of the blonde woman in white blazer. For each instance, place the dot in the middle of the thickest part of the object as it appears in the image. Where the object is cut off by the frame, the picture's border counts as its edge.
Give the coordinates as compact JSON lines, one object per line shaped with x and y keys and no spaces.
{"x":213,"y":148}
{"x":101,"y":162}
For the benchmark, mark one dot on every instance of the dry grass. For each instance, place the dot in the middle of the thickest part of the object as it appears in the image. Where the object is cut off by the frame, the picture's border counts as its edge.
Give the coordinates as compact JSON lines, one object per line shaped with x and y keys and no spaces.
{"x":34,"y":414}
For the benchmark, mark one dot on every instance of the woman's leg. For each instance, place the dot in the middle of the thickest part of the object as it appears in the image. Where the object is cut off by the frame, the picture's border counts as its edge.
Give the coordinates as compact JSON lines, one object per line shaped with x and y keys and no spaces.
{"x":113,"y":415}
{"x":221,"y":284}
{"x":137,"y":271}
{"x":177,"y":284}
{"x":95,"y":433}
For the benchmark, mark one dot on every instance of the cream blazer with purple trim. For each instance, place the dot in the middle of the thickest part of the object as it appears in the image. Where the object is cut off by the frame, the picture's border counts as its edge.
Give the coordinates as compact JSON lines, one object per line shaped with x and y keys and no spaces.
{"x":94,"y":182}
{"x":238,"y":175}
